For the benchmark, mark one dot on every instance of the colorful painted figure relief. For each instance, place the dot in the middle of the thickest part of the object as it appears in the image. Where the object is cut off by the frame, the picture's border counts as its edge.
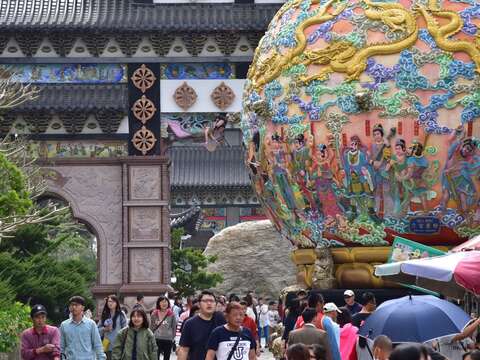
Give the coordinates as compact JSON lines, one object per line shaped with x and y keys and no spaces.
{"x":374,"y":107}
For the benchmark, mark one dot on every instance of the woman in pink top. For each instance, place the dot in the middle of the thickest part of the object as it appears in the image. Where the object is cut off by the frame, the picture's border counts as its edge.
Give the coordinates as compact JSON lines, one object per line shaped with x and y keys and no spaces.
{"x":348,"y":335}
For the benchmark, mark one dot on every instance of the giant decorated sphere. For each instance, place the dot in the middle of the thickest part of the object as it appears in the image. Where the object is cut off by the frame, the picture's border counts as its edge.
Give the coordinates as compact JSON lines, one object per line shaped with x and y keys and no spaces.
{"x":360,"y":117}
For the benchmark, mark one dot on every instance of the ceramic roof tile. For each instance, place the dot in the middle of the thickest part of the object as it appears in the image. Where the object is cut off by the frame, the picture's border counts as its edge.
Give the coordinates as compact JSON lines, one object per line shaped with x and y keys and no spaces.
{"x":127,"y":15}
{"x":194,"y":166}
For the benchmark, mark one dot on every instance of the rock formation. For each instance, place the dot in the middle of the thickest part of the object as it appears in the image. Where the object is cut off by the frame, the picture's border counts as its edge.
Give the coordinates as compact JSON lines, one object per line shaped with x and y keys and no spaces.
{"x":252,"y":256}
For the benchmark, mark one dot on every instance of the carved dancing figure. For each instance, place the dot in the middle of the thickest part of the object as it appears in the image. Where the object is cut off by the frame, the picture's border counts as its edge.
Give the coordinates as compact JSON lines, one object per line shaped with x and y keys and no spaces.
{"x":417,"y":164}
{"x":380,"y":154}
{"x":459,"y":169}
{"x":215,"y":135}
{"x":397,"y":167}
{"x":324,"y":167}
{"x":280,"y":173}
{"x":359,"y":180}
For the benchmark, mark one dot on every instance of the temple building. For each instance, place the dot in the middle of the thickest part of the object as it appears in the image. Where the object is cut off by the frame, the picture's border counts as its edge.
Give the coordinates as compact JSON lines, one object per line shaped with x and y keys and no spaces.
{"x":132,"y":77}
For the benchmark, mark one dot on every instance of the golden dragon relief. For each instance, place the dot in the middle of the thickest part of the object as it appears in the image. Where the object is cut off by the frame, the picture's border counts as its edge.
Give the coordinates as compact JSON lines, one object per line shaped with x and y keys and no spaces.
{"x":442,"y":33}
{"x":344,"y":57}
{"x":341,"y":56}
{"x":266,"y":70}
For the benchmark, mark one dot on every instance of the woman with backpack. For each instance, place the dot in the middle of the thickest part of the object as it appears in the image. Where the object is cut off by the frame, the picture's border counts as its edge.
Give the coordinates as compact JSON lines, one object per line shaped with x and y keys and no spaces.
{"x":164,"y":327}
{"x":112,"y":321}
{"x":136,"y":341}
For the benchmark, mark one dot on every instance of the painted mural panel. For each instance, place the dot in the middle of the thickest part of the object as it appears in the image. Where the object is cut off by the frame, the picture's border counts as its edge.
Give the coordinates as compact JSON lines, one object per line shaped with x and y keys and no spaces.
{"x":214,"y":219}
{"x":198,"y":71}
{"x":68,"y":73}
{"x":361,"y":121}
{"x":78,"y":149}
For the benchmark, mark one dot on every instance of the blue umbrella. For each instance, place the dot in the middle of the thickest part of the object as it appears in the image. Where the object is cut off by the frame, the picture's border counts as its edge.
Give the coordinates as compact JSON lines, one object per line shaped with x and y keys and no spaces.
{"x":415,"y":319}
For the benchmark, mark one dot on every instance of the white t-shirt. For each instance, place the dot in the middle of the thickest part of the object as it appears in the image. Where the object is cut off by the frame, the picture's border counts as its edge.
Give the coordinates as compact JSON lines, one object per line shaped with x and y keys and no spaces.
{"x":273,"y":317}
{"x":223,"y":340}
{"x":251,"y":314}
{"x":451,"y":350}
{"x":263,"y":319}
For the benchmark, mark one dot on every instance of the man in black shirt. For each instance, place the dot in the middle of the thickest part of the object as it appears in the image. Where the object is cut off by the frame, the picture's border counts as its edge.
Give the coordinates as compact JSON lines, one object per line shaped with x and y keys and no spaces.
{"x":369,"y":306}
{"x":197,"y":330}
{"x":350,"y":303}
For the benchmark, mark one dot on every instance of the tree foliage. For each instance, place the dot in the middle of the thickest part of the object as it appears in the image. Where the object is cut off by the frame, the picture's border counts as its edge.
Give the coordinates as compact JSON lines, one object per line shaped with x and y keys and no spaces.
{"x":30,"y":265}
{"x":188,"y":266}
{"x":13,"y":319}
{"x":14,"y":199}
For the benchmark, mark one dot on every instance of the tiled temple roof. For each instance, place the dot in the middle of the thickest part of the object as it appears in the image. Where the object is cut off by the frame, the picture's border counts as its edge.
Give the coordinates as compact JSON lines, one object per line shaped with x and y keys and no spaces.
{"x":223,"y":167}
{"x":65,"y":97}
{"x":127,"y":15}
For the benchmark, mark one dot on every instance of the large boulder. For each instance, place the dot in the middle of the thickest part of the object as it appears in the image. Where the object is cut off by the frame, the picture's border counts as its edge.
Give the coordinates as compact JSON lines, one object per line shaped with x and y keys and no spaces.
{"x":252,"y":256}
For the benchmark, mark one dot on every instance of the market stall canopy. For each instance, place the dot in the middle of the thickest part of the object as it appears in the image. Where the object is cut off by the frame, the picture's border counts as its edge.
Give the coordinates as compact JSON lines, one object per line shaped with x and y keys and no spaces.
{"x":472,"y":244}
{"x":449,"y":274}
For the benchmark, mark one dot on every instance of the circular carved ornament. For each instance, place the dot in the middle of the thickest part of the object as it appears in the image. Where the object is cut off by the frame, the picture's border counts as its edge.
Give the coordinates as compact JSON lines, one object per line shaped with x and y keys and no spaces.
{"x":143,"y":109}
{"x":185,"y":96}
{"x":223,"y":96}
{"x":143,"y":78}
{"x":144,"y":140}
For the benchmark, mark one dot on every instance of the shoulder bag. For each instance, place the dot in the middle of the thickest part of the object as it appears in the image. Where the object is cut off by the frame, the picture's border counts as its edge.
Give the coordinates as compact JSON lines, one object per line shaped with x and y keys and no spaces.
{"x":232,"y":350}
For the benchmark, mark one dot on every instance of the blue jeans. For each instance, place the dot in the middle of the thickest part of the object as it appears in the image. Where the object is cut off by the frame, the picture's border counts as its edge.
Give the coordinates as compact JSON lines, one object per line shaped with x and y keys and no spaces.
{"x":263,"y":332}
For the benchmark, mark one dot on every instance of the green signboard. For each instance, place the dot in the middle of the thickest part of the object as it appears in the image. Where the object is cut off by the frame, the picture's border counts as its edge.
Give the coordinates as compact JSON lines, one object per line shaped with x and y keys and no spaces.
{"x":403,"y":249}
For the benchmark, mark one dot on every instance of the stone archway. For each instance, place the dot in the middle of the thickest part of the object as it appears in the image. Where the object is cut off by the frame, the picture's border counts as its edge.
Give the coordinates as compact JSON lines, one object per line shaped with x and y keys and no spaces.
{"x":125,"y":202}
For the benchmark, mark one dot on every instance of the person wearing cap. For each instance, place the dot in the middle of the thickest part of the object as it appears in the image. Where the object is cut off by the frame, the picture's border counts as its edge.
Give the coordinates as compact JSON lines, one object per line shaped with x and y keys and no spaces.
{"x":41,"y":341}
{"x":80,"y":339}
{"x":332,"y":329}
{"x":350,"y":303}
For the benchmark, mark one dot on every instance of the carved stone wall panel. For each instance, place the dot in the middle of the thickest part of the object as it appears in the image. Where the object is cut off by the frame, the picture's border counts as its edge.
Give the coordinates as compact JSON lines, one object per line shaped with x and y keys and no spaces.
{"x":29,"y":42}
{"x":194,"y":42}
{"x":6,"y":122}
{"x":38,"y":121}
{"x":96,"y":43}
{"x":227,"y":42}
{"x":145,"y":223}
{"x":223,"y":96}
{"x":62,"y":43}
{"x":4,"y":38}
{"x":185,"y":96}
{"x":145,"y":183}
{"x":73,"y":121}
{"x":129,"y":42}
{"x":145,"y":265}
{"x":162,"y":42}
{"x":109,"y":120}
{"x":253,"y":39}
{"x":94,"y":193}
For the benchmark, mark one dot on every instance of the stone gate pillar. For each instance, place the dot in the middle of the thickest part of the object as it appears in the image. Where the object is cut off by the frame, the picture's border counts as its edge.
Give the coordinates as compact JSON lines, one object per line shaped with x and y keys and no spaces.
{"x":146,"y":190}
{"x":146,"y":227}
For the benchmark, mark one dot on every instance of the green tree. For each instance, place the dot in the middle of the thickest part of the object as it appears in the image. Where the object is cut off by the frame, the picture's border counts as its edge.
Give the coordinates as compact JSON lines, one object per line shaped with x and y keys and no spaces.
{"x":14,"y":199}
{"x":13,"y":319}
{"x":188,"y":266}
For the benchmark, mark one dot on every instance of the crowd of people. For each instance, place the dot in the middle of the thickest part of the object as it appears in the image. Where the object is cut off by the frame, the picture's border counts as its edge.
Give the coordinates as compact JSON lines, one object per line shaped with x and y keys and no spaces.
{"x":302,"y":327}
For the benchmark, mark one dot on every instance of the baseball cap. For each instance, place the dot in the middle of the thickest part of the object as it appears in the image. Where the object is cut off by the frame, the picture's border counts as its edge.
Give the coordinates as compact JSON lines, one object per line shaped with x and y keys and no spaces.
{"x":38,"y":309}
{"x":348,"y":293}
{"x":329,"y":307}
